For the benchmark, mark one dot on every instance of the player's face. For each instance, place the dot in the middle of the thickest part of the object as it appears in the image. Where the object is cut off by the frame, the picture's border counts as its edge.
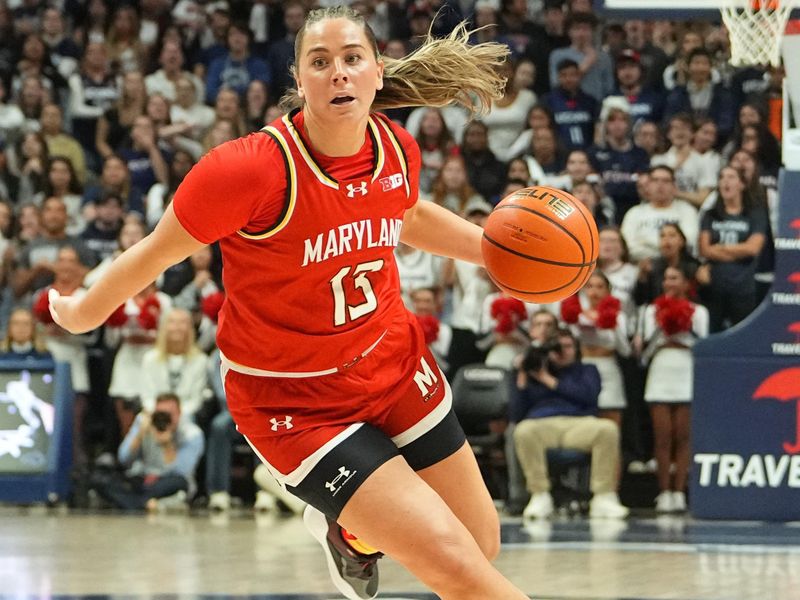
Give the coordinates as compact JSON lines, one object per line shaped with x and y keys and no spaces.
{"x":337,"y":72}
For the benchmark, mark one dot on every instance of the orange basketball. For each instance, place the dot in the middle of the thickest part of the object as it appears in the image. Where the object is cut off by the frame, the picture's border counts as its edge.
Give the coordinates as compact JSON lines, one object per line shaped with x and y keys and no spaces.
{"x":540,"y":244}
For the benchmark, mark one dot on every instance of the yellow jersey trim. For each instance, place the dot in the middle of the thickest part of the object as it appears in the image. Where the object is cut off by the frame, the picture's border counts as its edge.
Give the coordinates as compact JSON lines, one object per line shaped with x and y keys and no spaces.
{"x":291,"y":183}
{"x":323,"y":178}
{"x":400,"y":155}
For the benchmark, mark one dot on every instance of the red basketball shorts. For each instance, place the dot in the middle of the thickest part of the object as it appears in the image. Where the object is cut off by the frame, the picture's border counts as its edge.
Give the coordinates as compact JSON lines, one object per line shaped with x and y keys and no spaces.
{"x":323,"y":436}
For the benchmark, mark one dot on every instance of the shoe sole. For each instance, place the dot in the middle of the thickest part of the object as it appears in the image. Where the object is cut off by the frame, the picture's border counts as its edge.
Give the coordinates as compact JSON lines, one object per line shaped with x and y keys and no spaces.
{"x":317,"y":524}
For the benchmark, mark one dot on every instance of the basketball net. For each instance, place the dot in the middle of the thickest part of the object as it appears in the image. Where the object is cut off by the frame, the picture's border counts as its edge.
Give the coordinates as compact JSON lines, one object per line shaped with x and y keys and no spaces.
{"x":756,"y":28}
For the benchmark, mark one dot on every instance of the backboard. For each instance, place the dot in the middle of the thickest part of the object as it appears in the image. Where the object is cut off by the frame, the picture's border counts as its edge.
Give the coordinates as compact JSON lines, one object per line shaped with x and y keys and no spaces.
{"x":674,"y":10}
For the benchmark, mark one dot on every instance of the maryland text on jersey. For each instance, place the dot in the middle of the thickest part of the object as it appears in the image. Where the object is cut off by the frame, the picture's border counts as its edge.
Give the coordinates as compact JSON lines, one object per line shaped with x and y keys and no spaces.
{"x":352,"y":237}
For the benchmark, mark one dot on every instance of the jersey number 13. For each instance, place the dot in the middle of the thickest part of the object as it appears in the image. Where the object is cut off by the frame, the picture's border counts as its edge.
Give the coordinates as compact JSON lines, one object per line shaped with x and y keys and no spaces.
{"x":342,"y":311}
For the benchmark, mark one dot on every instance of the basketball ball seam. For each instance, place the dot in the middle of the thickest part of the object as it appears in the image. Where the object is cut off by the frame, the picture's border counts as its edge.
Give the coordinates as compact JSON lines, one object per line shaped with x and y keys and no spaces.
{"x":552,"y":222}
{"x":536,"y":258}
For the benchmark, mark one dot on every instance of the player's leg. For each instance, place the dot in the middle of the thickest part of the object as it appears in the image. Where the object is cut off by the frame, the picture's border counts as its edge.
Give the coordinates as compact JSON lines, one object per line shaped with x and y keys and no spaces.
{"x":407,"y":519}
{"x":458,"y":481}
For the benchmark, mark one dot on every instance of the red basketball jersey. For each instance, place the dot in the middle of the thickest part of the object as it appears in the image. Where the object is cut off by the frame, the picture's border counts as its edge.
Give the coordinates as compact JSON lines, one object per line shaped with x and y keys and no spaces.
{"x":309,"y":268}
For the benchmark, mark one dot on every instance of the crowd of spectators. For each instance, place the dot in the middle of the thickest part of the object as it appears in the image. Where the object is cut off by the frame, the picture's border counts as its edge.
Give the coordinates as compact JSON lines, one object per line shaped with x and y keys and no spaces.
{"x":104,"y":108}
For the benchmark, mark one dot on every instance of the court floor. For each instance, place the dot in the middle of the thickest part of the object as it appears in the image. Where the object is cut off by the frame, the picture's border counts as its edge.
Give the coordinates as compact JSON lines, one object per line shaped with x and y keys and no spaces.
{"x":55,"y":554}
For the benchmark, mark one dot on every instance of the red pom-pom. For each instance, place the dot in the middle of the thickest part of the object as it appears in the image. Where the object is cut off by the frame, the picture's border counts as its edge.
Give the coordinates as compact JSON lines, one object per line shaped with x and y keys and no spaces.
{"x":571,"y":309}
{"x":674,"y":315}
{"x":118,"y":318}
{"x":41,"y":308}
{"x":149,"y":312}
{"x":430,"y":327}
{"x":508,"y":312}
{"x":607,"y":312}
{"x":212,"y":304}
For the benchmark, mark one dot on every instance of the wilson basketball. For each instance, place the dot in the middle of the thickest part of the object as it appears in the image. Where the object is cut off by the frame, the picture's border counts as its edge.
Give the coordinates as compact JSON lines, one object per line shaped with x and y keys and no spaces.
{"x":540,"y":244}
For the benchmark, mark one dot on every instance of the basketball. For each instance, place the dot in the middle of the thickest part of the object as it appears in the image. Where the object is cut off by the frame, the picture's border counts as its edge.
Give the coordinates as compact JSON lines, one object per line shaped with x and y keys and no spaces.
{"x":540,"y":244}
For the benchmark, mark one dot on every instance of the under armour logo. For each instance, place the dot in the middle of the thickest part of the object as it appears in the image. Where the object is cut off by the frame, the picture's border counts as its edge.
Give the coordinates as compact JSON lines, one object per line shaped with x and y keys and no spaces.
{"x":334,"y":486}
{"x":287,"y":422}
{"x":391,"y":182}
{"x":352,"y":190}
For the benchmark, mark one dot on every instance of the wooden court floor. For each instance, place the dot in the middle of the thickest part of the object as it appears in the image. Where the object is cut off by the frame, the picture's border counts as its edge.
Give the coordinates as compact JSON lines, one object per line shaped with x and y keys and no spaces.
{"x":53,"y":553}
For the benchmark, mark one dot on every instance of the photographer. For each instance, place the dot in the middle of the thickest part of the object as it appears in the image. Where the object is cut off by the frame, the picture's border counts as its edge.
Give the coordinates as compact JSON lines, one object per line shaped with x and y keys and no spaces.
{"x":553,"y":405}
{"x":161,"y":452}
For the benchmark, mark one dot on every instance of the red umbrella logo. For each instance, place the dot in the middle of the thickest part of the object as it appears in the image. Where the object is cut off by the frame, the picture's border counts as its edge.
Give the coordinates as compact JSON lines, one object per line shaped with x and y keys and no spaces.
{"x":795,"y":224}
{"x":795,"y":329}
{"x":795,"y":279}
{"x":785,"y":387}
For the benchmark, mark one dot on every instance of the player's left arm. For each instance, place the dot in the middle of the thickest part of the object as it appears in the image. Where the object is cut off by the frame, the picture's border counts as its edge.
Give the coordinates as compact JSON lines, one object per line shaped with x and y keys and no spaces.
{"x":432,"y":228}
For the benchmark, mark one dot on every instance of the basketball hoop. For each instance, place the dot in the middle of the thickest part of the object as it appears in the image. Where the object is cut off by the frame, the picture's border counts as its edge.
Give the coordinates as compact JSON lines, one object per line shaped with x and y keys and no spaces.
{"x":756,"y":29}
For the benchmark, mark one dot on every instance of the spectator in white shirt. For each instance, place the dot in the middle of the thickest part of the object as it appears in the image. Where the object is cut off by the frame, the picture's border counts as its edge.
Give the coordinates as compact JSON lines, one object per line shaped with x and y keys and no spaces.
{"x":693,"y":178}
{"x":642,"y":223}
{"x":165,"y":79}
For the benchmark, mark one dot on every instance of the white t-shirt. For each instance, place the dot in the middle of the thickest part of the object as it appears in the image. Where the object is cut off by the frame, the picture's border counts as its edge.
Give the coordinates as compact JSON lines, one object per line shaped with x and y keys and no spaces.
{"x":696,"y":171}
{"x":507,"y":123}
{"x":455,"y":118}
{"x":158,"y":83}
{"x":469,"y":292}
{"x":417,"y":269}
{"x":641,"y":225}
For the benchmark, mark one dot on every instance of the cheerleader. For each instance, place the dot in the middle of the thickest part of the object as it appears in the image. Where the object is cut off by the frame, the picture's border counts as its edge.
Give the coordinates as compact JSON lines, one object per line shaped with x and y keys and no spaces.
{"x":670,"y":326}
{"x":600,"y":325}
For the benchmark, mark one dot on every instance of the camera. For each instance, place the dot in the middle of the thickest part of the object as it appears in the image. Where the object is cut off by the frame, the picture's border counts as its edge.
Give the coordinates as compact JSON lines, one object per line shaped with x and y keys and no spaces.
{"x":536,"y":357}
{"x":161,"y":420}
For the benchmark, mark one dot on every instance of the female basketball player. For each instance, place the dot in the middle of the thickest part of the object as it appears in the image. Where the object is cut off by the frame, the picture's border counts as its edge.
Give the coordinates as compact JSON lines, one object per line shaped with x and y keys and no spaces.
{"x":326,"y":373}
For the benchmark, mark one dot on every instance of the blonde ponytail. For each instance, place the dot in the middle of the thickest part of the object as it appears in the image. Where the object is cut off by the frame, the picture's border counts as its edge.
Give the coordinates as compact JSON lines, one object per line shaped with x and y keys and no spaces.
{"x":443,"y":71}
{"x":440,"y":72}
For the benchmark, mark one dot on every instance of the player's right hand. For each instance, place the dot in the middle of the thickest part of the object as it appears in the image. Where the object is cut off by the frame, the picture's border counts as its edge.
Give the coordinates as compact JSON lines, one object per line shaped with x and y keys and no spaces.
{"x":66,"y":312}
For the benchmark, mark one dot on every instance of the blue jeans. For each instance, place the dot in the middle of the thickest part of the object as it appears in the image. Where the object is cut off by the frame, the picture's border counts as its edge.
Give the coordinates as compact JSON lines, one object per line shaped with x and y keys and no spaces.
{"x":221,"y":439}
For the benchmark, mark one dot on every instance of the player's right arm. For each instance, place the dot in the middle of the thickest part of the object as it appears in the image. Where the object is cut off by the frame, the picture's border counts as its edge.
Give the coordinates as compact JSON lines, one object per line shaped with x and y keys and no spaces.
{"x":220,"y":195}
{"x":136,"y":268}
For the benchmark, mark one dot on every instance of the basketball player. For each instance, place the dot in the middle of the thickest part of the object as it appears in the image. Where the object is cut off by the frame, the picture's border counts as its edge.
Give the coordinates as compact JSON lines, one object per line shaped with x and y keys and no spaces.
{"x":326,"y":373}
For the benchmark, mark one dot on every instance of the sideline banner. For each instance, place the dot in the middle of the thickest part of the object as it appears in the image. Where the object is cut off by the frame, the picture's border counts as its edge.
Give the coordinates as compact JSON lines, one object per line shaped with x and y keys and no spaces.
{"x":746,"y":410}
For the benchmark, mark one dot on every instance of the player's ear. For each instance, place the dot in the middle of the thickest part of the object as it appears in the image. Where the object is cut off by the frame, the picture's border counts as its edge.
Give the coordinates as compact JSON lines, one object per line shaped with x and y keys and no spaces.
{"x":296,"y":77}
{"x":379,"y":85}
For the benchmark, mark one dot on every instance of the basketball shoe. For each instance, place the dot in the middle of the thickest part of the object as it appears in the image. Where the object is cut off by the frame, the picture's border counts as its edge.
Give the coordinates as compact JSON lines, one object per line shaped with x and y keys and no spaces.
{"x":354,"y":574}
